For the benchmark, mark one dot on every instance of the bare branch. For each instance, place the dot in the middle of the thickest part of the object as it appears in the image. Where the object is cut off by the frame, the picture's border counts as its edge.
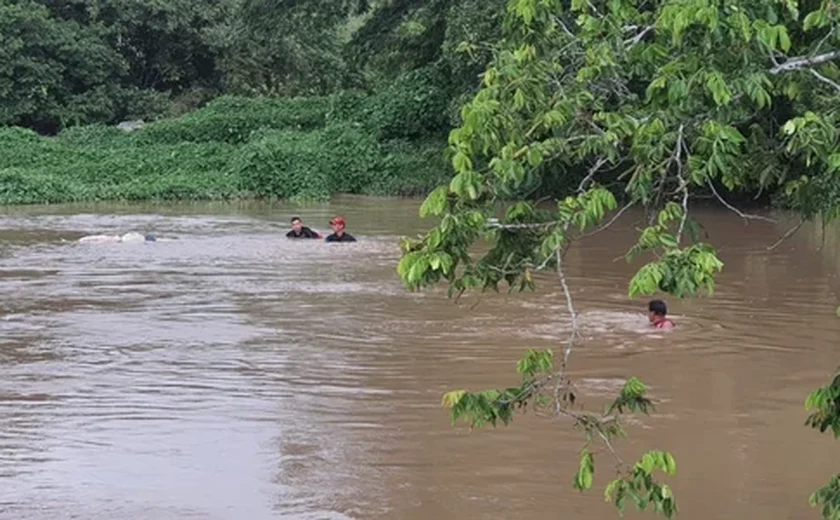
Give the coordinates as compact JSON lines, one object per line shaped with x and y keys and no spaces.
{"x":804,"y":62}
{"x":595,"y":10}
{"x":565,"y":28}
{"x":824,"y":79}
{"x":745,"y":216}
{"x":824,"y":39}
{"x":787,"y":235}
{"x":570,"y":305}
{"x":494,"y":224}
{"x":609,"y":446}
{"x":822,"y":234}
{"x":611,"y":221}
{"x":544,"y":263}
{"x":630,"y":42}
{"x":677,"y":157}
{"x":590,"y":174}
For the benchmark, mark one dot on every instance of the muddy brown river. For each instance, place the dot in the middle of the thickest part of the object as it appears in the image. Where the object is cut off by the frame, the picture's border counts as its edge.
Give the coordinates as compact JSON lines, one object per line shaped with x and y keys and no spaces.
{"x":232,"y":374}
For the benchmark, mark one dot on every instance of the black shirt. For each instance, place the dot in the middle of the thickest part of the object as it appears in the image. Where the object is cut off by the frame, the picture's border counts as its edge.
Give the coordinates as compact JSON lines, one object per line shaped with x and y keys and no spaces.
{"x":305,"y":232}
{"x":346,"y":237}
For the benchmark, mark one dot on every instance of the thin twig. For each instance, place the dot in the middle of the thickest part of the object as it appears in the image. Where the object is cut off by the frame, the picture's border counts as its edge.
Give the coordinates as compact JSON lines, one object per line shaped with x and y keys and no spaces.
{"x":584,"y":419}
{"x":822,"y":235}
{"x":565,"y":28}
{"x":590,"y":174}
{"x":787,"y":235}
{"x":609,"y":446}
{"x":683,"y":183}
{"x":822,"y":42}
{"x":611,"y":221}
{"x":745,"y":216}
{"x":570,"y":305}
{"x":529,"y":225}
{"x":630,"y":42}
{"x":824,"y":79}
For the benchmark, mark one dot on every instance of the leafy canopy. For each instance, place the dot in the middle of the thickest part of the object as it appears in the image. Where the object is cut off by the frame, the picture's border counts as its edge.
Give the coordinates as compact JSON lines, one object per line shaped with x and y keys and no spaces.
{"x":646,"y":101}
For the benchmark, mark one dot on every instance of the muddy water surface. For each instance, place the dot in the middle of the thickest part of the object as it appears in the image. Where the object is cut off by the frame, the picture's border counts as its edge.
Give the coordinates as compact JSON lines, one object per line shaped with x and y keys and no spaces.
{"x":231,"y":374}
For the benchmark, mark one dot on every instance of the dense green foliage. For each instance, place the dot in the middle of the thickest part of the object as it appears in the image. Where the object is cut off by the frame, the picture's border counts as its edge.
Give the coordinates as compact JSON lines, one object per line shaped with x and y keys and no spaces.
{"x":309,"y":97}
{"x":70,"y":62}
{"x":824,"y":405}
{"x":292,"y":148}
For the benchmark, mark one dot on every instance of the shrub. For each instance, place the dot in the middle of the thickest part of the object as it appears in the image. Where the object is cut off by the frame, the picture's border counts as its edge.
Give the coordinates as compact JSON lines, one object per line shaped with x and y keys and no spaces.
{"x":234,"y":120}
{"x":282,"y":164}
{"x":413,"y":106}
{"x":301,"y":148}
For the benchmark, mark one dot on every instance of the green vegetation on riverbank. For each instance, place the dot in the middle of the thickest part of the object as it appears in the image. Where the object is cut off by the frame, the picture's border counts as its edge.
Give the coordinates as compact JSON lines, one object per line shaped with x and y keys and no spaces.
{"x":245,"y":98}
{"x":297,"y":148}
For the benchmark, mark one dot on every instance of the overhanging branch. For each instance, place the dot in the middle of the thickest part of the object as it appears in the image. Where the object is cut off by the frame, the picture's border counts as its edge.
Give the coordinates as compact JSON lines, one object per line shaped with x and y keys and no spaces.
{"x":745,"y":216}
{"x":787,"y":235}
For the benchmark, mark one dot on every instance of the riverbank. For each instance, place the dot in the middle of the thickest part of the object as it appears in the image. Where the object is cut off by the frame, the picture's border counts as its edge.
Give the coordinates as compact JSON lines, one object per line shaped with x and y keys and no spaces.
{"x":240,"y":148}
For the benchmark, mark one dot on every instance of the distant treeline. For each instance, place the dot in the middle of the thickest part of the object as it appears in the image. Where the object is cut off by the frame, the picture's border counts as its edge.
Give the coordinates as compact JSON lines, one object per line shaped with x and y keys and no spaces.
{"x":67,"y":63}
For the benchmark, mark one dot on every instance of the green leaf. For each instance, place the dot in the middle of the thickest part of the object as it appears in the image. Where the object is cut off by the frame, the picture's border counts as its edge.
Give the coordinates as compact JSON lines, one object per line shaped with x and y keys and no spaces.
{"x":789,"y":128}
{"x":534,"y":362}
{"x":717,"y":86}
{"x":452,"y":398}
{"x":814,"y":19}
{"x":461,"y":162}
{"x":586,"y":471}
{"x":783,"y":37}
{"x":534,"y":157}
{"x":435,"y":203}
{"x":668,"y":240}
{"x":612,"y":488}
{"x":646,"y":281}
{"x":670,"y":464}
{"x":519,"y":99}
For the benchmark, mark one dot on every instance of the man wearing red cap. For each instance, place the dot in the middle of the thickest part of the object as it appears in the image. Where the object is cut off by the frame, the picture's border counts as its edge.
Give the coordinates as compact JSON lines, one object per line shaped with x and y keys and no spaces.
{"x":338,"y":224}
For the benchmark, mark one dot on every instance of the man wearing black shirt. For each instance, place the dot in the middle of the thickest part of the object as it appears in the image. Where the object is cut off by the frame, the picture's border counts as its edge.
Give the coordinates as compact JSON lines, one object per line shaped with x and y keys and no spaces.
{"x":301,"y":231}
{"x":338,"y":224}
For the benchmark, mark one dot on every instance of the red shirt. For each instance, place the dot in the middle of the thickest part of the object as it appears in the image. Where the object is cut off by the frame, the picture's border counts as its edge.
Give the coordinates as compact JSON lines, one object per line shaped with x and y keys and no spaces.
{"x":664,"y":323}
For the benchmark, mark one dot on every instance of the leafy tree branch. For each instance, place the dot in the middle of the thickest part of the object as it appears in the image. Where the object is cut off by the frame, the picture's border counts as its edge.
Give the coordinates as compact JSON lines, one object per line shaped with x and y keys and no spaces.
{"x":650,"y":102}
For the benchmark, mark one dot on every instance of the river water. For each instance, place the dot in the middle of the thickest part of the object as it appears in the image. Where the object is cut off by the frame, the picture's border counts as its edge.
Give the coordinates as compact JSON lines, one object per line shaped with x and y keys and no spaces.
{"x":231,"y":374}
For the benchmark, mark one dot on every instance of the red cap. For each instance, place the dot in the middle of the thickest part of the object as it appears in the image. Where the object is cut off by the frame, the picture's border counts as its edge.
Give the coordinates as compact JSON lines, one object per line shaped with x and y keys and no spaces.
{"x":338,"y":221}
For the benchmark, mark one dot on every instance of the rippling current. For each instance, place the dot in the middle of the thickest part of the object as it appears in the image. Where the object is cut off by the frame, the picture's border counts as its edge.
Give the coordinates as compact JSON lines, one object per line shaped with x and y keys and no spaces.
{"x":232,"y":374}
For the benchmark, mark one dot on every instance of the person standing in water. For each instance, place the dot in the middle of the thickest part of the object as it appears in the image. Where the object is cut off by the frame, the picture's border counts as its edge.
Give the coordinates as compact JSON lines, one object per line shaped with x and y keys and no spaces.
{"x":338,"y":225}
{"x":301,"y":231}
{"x":657,"y":311}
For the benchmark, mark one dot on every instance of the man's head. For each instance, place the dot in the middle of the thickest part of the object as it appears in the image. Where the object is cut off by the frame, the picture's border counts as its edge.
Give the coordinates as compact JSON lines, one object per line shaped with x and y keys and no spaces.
{"x":656,"y":310}
{"x":338,"y":224}
{"x":297,"y":225}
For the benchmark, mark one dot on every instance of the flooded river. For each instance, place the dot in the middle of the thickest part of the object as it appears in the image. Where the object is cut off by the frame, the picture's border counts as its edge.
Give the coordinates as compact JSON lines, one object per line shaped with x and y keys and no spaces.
{"x":231,"y":374}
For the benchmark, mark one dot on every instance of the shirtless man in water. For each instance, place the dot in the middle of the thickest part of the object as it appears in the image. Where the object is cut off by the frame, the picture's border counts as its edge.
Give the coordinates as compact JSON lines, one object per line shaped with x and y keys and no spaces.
{"x":657,"y":310}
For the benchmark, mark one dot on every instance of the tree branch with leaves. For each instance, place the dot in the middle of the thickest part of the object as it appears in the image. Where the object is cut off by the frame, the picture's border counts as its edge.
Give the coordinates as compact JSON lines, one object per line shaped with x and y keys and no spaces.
{"x":588,"y":102}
